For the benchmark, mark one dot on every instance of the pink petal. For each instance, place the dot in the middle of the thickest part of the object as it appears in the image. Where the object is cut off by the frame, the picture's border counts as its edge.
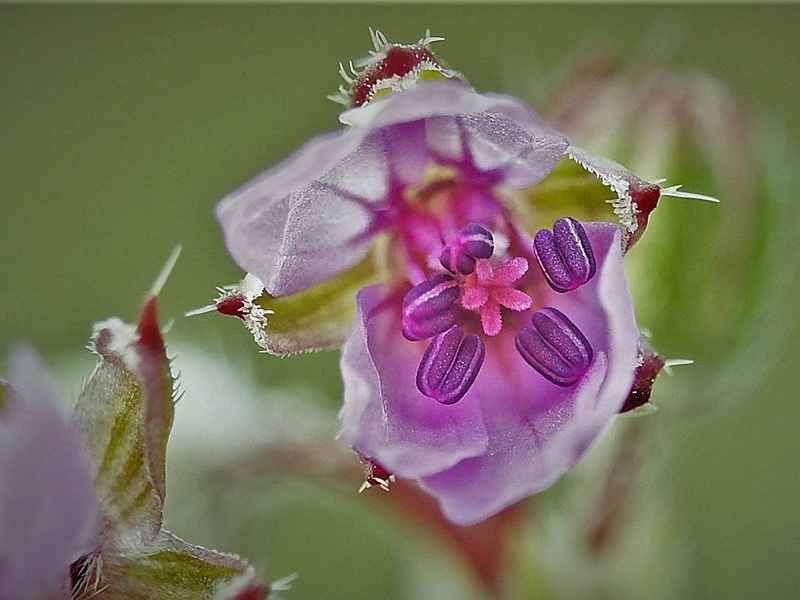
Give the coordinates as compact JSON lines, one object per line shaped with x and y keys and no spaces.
{"x":303,"y":221}
{"x":473,"y":298}
{"x":49,"y":515}
{"x":511,"y":271}
{"x":499,"y":133}
{"x":491,"y":320}
{"x":511,"y":298}
{"x":312,"y":216}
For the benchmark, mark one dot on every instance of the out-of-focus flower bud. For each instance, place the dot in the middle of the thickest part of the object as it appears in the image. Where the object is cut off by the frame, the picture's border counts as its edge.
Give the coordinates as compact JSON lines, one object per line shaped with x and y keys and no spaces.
{"x":707,"y":275}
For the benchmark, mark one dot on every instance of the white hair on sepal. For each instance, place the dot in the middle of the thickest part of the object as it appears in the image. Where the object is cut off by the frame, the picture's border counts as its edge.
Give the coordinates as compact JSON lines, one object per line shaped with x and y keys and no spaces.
{"x":166,"y":270}
{"x":429,"y":39}
{"x":676,"y":192}
{"x":676,"y":362}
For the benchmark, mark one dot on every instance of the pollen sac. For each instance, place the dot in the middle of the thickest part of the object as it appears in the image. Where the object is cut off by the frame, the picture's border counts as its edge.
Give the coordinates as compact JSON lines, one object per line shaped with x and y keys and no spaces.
{"x":428,"y":307}
{"x":555,"y":347}
{"x":450,"y":365}
{"x":473,"y":241}
{"x":565,"y":255}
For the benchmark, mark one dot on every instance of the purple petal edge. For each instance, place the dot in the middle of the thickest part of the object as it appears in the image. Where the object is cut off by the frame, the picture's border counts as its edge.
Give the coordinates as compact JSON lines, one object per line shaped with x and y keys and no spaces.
{"x":384,"y":414}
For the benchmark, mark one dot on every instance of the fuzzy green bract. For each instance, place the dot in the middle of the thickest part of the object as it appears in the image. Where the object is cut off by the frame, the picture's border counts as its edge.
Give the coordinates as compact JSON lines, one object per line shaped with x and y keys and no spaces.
{"x":119,"y":435}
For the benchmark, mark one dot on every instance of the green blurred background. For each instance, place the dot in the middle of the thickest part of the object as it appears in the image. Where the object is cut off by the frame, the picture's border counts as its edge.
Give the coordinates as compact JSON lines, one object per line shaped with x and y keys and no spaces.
{"x":121,"y":126}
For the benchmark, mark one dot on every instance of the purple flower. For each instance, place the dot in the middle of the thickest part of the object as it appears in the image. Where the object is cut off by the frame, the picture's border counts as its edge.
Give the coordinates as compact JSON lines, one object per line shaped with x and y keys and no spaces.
{"x":49,"y":515}
{"x":81,"y":501}
{"x":534,"y":406}
{"x":488,"y":352}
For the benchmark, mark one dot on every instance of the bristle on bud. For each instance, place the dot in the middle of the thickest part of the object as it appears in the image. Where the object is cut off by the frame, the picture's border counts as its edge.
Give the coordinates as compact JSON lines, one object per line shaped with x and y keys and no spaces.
{"x":389,"y":68}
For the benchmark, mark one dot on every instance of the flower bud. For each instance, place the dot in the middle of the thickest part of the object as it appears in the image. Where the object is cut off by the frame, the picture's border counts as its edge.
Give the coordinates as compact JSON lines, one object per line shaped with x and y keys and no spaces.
{"x":390,"y":68}
{"x":694,"y":268}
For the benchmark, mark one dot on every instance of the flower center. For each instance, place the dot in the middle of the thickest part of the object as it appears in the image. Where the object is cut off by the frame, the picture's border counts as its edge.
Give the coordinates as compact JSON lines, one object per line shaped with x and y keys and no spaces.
{"x":553,"y":346}
{"x":489,"y":288}
{"x":432,"y":307}
{"x":427,"y":215}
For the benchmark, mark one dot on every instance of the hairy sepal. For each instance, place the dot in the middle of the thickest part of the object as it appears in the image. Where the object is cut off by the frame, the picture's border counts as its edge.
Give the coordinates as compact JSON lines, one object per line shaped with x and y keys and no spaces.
{"x":173,"y":569}
{"x":125,"y":411}
{"x":588,"y":188}
{"x":317,"y":318}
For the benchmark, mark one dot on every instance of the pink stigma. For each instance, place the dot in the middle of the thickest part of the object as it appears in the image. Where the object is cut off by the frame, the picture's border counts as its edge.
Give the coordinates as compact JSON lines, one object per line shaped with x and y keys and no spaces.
{"x":489,"y":288}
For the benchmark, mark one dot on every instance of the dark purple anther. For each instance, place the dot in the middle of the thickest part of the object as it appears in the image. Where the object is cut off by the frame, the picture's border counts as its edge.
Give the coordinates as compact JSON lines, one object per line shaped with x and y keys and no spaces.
{"x":555,"y":347}
{"x":565,"y":255}
{"x":473,"y":241}
{"x":455,"y":261}
{"x":450,"y":365}
{"x":428,"y":307}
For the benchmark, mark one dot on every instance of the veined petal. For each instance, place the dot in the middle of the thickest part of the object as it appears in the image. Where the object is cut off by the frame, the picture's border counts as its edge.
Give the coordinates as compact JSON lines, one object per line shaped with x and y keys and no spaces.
{"x":126,"y":411}
{"x":427,"y":164}
{"x":492,"y":131}
{"x":308,"y":218}
{"x":49,"y":515}
{"x":445,"y":98}
{"x":537,"y":430}
{"x":172,"y":569}
{"x":384,"y":414}
{"x":313,"y":216}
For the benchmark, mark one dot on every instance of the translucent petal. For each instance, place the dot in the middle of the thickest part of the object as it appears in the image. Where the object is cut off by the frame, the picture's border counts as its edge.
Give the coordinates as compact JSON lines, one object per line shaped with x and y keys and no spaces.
{"x":384,"y":414}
